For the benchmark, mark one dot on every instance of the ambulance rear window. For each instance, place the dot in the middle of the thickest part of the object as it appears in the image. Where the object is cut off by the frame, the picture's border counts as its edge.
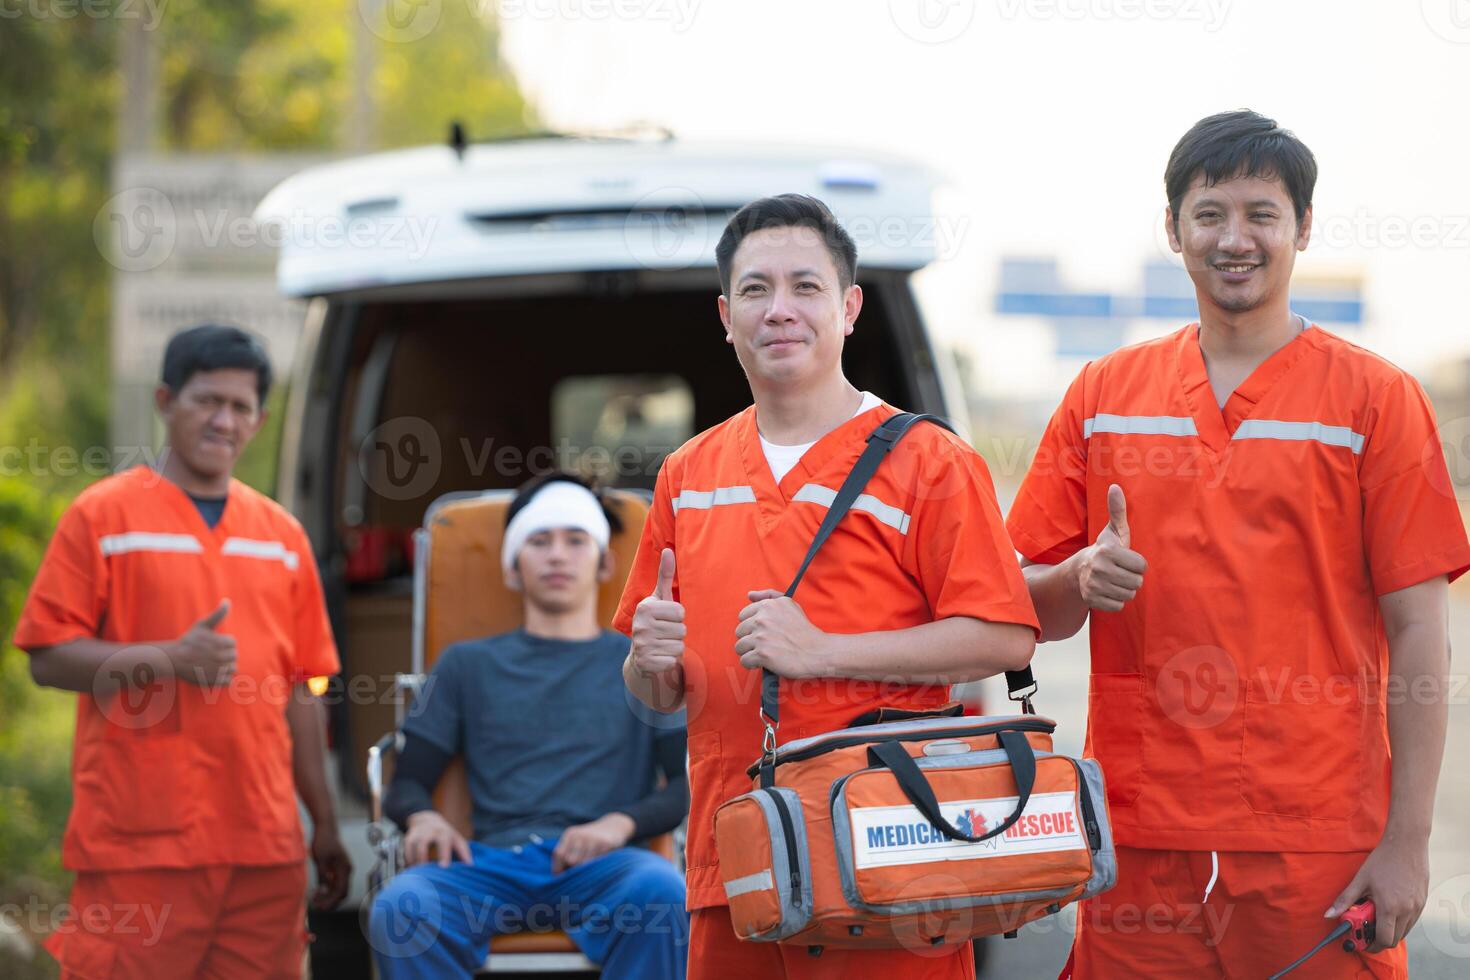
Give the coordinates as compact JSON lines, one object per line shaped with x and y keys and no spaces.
{"x":619,"y":427}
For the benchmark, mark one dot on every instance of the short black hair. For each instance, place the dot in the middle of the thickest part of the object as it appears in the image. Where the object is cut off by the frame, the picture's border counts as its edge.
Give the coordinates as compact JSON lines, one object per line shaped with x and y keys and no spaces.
{"x":212,"y":347}
{"x":536,"y":484}
{"x":1241,"y":143}
{"x":787,"y":211}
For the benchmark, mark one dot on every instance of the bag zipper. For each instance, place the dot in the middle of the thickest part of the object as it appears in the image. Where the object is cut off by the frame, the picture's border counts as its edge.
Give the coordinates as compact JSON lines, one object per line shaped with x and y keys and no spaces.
{"x":842,"y":743}
{"x":788,"y":831}
{"x":1089,"y":815}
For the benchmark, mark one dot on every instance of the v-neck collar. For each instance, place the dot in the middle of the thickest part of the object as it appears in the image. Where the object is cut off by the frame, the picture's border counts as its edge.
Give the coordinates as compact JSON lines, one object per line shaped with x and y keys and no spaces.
{"x":1216,"y":424}
{"x":183,"y":502}
{"x":772,"y":497}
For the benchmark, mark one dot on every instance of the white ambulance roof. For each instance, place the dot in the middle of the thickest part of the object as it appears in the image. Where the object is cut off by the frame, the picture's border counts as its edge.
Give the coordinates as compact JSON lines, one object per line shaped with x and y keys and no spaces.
{"x":569,"y":205}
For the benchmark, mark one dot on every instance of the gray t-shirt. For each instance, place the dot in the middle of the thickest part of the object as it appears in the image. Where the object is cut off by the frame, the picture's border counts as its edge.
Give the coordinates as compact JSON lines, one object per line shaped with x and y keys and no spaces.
{"x":549,"y":734}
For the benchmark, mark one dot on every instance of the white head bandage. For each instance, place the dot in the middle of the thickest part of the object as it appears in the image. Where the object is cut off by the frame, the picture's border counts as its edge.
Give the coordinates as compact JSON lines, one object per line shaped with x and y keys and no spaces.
{"x":557,"y":504}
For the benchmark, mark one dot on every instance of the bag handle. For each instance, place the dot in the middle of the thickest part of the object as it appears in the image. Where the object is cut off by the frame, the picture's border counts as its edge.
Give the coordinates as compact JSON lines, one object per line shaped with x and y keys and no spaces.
{"x":890,"y":755}
{"x":1020,"y":684}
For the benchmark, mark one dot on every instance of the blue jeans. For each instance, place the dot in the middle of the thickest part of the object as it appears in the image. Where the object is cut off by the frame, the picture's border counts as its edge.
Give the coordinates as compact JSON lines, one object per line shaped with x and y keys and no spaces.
{"x":624,"y":910}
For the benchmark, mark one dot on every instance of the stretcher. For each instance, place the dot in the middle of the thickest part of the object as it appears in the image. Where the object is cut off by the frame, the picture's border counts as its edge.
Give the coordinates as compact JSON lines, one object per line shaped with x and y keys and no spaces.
{"x":457,"y":596}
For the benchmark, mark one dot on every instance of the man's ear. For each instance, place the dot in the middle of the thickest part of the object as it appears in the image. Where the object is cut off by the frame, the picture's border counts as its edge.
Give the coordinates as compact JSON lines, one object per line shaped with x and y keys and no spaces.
{"x":852,"y":305}
{"x":1171,"y":228}
{"x":163,"y":399}
{"x":607,"y":565}
{"x":723,"y":303}
{"x":1304,"y":230}
{"x":513,"y":579}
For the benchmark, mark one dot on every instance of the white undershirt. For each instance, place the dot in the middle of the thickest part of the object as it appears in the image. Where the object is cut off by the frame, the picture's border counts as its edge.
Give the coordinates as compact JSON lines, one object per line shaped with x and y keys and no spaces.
{"x":782,"y":458}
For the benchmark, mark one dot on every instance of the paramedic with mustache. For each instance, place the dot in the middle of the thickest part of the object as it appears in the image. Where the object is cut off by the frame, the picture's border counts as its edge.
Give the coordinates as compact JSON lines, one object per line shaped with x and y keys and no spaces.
{"x":185,"y":609}
{"x":918,"y":588}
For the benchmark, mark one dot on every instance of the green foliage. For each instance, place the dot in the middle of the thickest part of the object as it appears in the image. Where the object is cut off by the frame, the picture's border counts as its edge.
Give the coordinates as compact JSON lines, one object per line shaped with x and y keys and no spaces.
{"x":35,"y":724}
{"x":420,"y":87}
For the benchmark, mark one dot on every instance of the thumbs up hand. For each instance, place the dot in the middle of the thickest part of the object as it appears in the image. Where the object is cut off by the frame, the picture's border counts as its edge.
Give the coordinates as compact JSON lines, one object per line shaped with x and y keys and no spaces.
{"x":202,"y":655}
{"x":1109,"y":572}
{"x":658,"y":625}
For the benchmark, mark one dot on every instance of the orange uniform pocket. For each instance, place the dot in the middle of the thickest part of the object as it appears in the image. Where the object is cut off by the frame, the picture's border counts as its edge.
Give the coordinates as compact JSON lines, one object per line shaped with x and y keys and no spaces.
{"x":1299,"y":757}
{"x":1115,"y":705}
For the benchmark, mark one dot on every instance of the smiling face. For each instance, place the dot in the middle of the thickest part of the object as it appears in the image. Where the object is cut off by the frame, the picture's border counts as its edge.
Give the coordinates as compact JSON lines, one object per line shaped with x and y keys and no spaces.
{"x":1239,"y":240}
{"x":211,"y":419}
{"x":787,"y":312}
{"x":558,"y":570}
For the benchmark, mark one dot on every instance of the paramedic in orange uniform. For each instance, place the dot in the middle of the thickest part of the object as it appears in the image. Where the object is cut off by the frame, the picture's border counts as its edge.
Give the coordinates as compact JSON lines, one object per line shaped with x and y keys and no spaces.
{"x":1258,"y":517}
{"x":186,"y":610}
{"x":918,"y":588}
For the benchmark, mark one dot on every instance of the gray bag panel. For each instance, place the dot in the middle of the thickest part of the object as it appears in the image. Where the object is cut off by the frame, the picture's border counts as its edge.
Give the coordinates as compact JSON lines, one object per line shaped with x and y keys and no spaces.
{"x":794,"y":915}
{"x":1105,"y":858}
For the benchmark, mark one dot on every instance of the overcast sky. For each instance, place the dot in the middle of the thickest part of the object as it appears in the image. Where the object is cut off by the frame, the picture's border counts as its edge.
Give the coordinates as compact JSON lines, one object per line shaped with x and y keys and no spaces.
{"x":1054,"y":118}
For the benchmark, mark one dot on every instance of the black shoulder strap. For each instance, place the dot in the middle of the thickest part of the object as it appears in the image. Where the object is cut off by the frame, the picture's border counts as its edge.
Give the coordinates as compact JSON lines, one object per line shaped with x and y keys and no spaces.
{"x":1020,"y":682}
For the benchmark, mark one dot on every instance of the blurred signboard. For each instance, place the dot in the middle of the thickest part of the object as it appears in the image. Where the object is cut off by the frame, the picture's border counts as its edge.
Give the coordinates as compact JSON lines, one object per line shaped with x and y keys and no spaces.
{"x":184,"y":249}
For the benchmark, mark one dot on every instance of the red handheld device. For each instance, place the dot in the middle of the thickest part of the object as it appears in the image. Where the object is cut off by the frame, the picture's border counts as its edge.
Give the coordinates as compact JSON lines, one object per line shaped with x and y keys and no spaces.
{"x":1357,"y":924}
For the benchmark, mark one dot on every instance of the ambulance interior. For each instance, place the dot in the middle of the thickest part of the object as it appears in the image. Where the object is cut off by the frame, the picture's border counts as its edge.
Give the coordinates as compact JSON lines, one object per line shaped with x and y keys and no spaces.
{"x":607,"y":372}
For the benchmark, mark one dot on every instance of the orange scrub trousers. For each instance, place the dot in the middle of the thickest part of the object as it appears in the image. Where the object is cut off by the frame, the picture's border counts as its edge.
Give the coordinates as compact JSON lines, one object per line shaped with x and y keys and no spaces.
{"x":924,"y":542}
{"x":1238,"y":703}
{"x":183,"y":796}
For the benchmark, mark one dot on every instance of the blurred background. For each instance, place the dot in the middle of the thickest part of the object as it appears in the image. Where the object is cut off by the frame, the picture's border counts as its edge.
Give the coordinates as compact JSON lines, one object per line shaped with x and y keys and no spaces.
{"x":137,"y":137}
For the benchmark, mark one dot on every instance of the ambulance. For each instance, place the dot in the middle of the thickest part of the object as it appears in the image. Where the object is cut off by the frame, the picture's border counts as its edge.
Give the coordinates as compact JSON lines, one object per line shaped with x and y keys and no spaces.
{"x":481,"y":312}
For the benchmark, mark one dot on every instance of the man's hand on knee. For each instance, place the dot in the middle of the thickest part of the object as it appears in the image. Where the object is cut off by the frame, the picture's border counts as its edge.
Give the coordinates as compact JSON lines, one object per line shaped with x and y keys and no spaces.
{"x":586,"y":841}
{"x":430,"y":837}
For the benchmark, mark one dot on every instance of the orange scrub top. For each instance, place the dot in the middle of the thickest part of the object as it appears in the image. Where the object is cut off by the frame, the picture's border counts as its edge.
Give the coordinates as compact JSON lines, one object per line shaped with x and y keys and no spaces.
{"x":1238,"y":702}
{"x":924,"y":542}
{"x":173,"y":775}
